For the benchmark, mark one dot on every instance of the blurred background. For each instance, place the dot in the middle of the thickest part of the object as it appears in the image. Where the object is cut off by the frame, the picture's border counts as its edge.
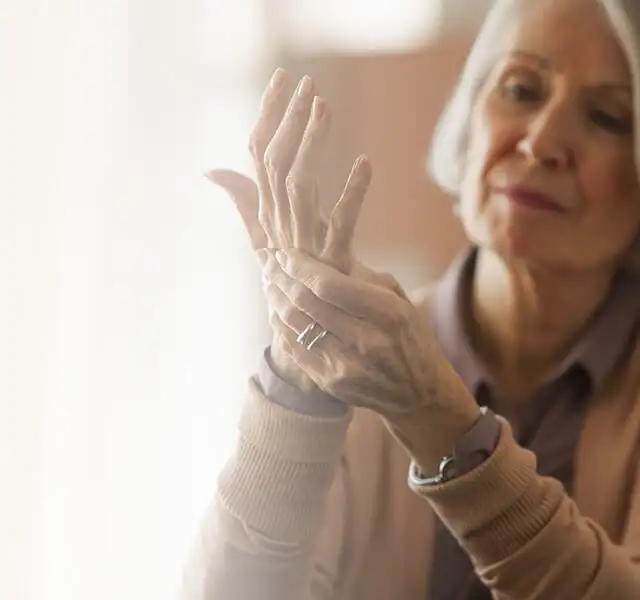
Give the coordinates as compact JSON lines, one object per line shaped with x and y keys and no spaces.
{"x":131,"y":311}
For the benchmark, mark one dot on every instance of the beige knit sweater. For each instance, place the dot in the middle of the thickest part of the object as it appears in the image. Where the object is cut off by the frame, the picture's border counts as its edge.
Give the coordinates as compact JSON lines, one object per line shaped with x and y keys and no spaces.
{"x":311,"y":509}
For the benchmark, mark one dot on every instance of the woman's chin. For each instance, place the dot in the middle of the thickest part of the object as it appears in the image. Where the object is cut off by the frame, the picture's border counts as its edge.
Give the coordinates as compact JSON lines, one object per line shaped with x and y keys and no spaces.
{"x":516,"y":244}
{"x":514,"y":239}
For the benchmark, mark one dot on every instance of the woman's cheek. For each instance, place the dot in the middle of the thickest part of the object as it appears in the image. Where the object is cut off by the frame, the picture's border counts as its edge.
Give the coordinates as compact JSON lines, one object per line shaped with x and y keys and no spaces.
{"x":477,"y":165}
{"x":611,"y":191}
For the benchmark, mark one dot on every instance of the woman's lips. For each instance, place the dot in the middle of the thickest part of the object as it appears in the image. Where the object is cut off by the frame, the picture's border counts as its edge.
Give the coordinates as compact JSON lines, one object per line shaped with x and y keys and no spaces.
{"x":532,"y":199}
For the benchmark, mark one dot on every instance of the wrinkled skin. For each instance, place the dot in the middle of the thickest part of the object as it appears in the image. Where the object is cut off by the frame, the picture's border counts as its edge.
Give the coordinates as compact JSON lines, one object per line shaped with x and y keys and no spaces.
{"x":379,"y":352}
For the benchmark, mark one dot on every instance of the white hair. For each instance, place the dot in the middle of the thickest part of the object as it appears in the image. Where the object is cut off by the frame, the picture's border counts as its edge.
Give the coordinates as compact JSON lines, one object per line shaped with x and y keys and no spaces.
{"x":447,"y":156}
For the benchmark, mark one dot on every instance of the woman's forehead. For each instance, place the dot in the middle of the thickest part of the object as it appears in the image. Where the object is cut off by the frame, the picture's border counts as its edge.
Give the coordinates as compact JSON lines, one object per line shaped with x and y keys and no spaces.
{"x":571,"y":35}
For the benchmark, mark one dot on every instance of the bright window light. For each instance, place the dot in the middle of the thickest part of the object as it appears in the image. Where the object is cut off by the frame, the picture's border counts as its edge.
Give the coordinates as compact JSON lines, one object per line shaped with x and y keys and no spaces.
{"x":360,"y":25}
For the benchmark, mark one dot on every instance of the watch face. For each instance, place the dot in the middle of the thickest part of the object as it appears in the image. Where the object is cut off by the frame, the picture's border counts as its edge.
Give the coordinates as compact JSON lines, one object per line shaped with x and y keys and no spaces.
{"x":470,"y":452}
{"x":448,"y":468}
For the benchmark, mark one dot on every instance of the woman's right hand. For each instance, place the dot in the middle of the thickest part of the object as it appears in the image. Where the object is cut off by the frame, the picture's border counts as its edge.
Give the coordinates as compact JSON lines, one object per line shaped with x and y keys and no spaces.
{"x":281,"y":210}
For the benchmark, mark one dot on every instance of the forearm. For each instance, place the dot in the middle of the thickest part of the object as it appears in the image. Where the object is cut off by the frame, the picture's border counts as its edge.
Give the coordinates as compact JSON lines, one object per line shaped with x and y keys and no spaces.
{"x":526,"y":536}
{"x":258,"y":541}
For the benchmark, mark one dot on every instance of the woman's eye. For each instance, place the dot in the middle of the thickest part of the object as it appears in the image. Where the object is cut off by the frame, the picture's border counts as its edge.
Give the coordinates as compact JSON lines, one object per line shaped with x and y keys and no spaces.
{"x":610,"y":123}
{"x":520,"y":92}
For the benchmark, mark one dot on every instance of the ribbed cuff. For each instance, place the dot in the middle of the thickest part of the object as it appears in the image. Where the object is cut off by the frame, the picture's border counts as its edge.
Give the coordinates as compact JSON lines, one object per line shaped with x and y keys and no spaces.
{"x":315,"y":404}
{"x":282,"y":469}
{"x":498,"y":507}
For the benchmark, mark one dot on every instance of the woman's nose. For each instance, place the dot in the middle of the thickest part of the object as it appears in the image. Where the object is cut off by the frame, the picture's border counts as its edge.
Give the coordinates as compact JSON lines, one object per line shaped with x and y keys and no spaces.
{"x":548,"y":140}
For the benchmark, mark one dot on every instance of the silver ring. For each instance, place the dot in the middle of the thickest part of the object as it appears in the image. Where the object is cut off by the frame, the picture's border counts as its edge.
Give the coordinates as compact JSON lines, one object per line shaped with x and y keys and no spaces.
{"x":311,"y":335}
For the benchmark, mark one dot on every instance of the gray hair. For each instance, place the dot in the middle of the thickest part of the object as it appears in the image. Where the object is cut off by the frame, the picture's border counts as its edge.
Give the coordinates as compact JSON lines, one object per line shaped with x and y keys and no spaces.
{"x":448,"y":150}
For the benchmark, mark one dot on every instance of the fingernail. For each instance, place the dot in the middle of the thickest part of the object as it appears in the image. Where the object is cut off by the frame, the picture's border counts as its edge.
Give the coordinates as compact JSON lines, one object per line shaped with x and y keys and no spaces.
{"x":213,"y":178}
{"x":305,"y":86}
{"x":220,"y":181}
{"x":319,"y":106}
{"x":277,"y":79}
{"x":363,"y":167}
{"x":361,"y":162}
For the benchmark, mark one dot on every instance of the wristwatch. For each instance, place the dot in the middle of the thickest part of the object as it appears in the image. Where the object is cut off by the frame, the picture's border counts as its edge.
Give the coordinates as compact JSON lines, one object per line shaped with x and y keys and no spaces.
{"x":471,"y":451}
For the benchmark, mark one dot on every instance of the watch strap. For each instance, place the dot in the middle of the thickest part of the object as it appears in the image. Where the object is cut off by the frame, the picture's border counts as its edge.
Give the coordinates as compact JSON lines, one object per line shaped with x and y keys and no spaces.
{"x":471,"y":450}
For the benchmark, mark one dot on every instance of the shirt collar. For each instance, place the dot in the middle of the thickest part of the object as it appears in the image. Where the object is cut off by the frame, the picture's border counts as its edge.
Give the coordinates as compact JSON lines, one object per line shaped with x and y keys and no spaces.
{"x":600,"y":347}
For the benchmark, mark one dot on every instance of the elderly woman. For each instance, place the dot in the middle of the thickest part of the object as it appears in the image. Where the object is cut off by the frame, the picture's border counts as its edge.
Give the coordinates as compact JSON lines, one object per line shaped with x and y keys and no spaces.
{"x":509,"y":393}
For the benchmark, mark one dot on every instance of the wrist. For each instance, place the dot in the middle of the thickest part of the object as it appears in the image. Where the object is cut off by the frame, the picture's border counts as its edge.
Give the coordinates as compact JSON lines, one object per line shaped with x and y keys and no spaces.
{"x":285,"y":368}
{"x":315,"y":403}
{"x":474,"y":448}
{"x":433,"y":434}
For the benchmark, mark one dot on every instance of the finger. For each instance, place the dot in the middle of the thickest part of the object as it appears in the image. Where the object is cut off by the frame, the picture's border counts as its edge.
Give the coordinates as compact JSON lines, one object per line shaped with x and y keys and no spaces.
{"x":272,"y":110}
{"x":295,"y":320}
{"x":311,"y":362}
{"x":273,"y":107}
{"x":362,"y":299}
{"x":322,"y":225}
{"x":296,"y":304}
{"x":302,"y":181}
{"x":384,"y":280}
{"x":338,"y":249}
{"x":244,"y":193}
{"x":324,"y":363}
{"x":281,"y":152}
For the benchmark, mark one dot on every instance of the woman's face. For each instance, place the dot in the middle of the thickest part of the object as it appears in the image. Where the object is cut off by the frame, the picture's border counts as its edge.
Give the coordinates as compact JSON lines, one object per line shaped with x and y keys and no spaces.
{"x":550,"y":176}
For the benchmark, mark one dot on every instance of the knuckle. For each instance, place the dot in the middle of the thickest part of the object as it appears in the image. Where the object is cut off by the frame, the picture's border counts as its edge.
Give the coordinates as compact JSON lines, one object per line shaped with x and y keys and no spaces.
{"x":276,"y":322}
{"x":298,"y":111}
{"x":256,"y":146}
{"x":293,"y":184}
{"x":288,"y":314}
{"x":314,"y":283}
{"x":272,"y":161}
{"x":263,"y":214}
{"x":260,"y":139}
{"x":336,"y":221}
{"x":298,"y":184}
{"x":299,"y":295}
{"x":399,"y":317}
{"x":268,"y":157}
{"x":266,"y":222}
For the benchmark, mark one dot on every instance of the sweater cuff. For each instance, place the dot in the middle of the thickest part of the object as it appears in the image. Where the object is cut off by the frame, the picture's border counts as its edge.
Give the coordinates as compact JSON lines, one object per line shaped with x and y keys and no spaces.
{"x":500,"y":506}
{"x":316,"y":403}
{"x":284,"y":464}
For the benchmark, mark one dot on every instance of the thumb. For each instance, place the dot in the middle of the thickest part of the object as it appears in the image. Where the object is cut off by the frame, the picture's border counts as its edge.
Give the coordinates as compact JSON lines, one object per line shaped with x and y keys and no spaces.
{"x":236,"y":184}
{"x":244,"y":193}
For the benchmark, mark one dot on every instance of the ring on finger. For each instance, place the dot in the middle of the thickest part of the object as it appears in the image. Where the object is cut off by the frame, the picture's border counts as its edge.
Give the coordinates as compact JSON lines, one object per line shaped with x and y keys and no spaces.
{"x":311,"y":335}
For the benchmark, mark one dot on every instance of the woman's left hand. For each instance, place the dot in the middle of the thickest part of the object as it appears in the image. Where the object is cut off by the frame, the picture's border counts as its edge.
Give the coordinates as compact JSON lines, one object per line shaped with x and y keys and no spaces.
{"x":379,"y":352}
